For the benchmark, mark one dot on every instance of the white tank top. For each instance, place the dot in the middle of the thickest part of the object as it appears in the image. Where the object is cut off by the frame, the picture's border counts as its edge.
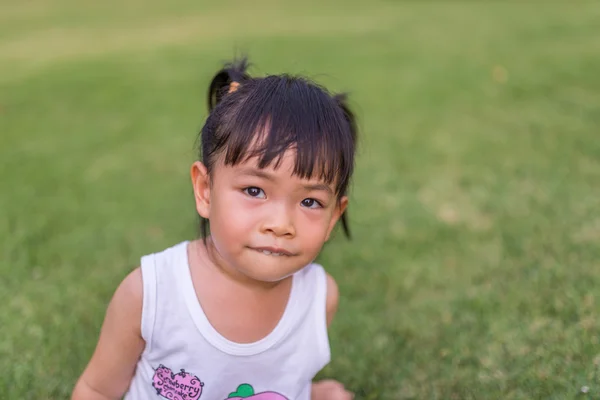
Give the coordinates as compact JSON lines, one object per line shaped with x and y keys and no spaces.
{"x":185,"y":358}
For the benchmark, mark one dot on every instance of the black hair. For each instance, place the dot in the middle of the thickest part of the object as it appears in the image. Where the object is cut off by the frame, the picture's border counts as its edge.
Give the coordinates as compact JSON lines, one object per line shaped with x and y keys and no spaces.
{"x":263,"y":117}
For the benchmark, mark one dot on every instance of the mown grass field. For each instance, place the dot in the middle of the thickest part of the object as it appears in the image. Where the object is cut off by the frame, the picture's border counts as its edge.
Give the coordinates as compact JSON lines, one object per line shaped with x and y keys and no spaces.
{"x":474,"y":270}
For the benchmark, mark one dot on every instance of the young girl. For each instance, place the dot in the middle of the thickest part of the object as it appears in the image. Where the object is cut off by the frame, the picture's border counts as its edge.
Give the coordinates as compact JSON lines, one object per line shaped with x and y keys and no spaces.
{"x":241,"y":313}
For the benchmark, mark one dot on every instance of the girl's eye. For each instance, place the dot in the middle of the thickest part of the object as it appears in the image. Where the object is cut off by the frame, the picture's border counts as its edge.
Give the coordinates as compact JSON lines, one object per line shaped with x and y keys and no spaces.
{"x":255,"y":192}
{"x":311,"y":203}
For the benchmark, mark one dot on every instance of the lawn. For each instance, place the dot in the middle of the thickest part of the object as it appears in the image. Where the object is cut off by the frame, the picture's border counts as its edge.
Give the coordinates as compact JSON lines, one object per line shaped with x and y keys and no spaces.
{"x":474,"y":268}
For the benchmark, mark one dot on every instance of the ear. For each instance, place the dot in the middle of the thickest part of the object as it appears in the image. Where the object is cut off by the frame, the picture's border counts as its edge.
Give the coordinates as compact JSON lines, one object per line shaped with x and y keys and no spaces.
{"x":201,"y":185}
{"x":337,"y":213}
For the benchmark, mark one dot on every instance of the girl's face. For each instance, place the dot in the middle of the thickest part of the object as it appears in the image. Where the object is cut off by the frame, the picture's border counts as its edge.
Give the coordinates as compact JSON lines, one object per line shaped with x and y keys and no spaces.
{"x":265,"y":223}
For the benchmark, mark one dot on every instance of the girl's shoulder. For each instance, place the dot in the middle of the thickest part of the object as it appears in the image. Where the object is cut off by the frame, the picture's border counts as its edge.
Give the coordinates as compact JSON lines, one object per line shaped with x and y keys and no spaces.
{"x":175,"y":251}
{"x":322,"y":285}
{"x":165,"y":261}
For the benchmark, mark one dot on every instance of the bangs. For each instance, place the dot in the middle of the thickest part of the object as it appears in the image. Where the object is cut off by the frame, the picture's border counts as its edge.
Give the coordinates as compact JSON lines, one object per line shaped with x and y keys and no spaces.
{"x":282,"y":113}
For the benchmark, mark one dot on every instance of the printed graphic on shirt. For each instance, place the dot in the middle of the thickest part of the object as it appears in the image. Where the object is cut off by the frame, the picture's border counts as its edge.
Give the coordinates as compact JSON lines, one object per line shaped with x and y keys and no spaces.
{"x":246,"y":392}
{"x":180,"y":386}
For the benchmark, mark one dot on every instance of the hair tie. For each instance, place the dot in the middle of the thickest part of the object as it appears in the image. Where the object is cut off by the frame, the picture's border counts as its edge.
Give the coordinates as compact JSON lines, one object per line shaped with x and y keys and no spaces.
{"x":233,"y":86}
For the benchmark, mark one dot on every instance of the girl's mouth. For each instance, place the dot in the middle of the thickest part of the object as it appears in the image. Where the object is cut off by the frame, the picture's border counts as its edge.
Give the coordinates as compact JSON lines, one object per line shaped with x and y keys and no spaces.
{"x":273,"y":251}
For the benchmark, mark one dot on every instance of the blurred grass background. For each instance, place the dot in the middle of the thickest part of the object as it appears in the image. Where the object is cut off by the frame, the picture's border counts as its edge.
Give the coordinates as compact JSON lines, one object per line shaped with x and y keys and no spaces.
{"x":474,"y":269}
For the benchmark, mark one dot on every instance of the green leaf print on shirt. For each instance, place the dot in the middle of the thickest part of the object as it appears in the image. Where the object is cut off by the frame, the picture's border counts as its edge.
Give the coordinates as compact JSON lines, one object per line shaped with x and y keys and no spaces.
{"x":243,"y":391}
{"x":246,"y":392}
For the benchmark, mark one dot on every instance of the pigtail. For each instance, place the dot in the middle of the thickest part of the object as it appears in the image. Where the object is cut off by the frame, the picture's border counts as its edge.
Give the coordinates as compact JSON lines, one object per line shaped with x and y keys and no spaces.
{"x":341,"y":100}
{"x":227,"y":80}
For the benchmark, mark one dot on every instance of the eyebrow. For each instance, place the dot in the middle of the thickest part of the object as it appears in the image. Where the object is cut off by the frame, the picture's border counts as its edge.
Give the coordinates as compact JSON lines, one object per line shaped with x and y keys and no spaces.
{"x":265,"y":175}
{"x":258,"y":173}
{"x":319,"y":186}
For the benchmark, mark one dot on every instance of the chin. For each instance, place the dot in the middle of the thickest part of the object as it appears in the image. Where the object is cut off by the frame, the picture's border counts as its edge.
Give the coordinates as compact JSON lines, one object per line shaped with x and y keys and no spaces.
{"x":268,"y":274}
{"x":264,"y":269}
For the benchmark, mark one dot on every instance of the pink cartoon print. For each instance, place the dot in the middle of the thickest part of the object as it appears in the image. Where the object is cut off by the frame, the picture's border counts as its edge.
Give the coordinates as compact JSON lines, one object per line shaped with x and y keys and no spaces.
{"x":246,"y":392}
{"x":180,"y":386}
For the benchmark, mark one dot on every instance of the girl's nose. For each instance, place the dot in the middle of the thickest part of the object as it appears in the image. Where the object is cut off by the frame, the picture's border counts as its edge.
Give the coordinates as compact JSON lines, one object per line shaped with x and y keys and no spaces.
{"x":279,"y":222}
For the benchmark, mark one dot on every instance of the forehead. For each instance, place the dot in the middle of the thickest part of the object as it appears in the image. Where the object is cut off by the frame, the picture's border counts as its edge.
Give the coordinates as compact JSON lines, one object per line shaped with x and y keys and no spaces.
{"x":282,"y":167}
{"x":316,"y":158}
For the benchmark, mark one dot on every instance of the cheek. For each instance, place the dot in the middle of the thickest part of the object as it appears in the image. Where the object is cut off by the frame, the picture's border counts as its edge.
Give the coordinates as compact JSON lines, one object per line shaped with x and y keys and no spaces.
{"x":313,"y":227}
{"x":231,"y":213}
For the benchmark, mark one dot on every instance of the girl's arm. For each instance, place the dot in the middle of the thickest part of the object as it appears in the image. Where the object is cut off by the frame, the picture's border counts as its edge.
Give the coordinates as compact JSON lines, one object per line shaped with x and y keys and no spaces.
{"x":329,"y":389}
{"x":333,"y":295}
{"x":109,"y":372}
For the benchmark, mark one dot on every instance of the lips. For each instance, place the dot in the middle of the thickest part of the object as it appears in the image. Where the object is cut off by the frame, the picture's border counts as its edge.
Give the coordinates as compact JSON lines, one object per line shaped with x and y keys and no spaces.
{"x":273,"y":251}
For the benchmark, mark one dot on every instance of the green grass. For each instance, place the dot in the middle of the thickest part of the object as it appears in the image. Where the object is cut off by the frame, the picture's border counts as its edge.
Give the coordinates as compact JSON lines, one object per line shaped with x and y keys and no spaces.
{"x":474,"y":270}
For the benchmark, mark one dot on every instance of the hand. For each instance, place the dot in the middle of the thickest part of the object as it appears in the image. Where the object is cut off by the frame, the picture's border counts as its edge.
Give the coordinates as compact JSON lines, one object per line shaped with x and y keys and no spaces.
{"x":330,"y":390}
